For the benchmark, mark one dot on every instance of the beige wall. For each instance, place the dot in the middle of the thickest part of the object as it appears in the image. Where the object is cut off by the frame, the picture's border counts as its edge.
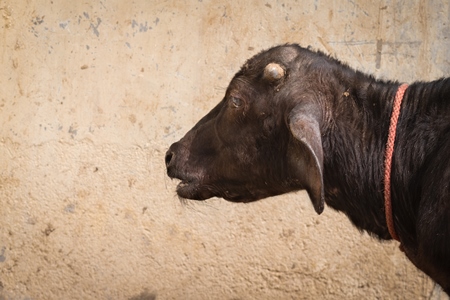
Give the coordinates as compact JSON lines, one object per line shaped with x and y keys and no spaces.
{"x":93,"y":93}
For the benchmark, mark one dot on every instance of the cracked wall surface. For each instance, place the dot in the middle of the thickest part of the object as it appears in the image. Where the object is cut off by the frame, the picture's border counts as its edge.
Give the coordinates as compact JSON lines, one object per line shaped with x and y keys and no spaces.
{"x":93,"y":93}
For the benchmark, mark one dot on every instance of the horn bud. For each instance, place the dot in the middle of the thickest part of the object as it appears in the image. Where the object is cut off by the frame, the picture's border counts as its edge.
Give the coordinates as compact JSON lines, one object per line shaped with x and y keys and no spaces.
{"x":273,"y":72}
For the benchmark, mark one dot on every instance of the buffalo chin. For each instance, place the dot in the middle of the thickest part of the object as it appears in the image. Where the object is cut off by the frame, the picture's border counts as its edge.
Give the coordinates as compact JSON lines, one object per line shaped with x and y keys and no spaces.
{"x":193,"y":191}
{"x":196,"y":191}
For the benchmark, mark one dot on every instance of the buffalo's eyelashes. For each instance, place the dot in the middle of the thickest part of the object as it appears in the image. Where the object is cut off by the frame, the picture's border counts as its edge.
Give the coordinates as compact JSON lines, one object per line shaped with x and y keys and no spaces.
{"x":236,"y":102}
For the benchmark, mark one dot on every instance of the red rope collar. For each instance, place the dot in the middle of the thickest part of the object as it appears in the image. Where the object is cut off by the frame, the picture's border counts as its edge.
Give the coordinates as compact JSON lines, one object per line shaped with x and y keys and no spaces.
{"x":388,"y":160}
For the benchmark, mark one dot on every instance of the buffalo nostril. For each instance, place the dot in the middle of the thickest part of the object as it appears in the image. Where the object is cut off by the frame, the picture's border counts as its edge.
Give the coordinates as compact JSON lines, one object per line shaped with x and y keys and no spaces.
{"x":169,"y":156}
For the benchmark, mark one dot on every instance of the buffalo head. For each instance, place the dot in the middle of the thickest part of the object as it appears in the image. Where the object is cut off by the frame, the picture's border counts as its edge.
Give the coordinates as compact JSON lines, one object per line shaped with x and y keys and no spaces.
{"x":262,"y":139}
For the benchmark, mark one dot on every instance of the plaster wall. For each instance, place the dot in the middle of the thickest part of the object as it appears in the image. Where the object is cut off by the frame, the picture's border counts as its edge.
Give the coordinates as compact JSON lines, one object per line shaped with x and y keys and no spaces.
{"x":92,"y":93}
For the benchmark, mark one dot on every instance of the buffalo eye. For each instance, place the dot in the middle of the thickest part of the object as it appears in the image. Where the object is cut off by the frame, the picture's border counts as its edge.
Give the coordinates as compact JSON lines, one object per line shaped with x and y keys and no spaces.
{"x":236,"y":102}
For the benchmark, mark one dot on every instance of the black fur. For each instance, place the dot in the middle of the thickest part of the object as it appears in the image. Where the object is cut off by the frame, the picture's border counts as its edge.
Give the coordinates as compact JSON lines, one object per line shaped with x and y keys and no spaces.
{"x":261,"y":140}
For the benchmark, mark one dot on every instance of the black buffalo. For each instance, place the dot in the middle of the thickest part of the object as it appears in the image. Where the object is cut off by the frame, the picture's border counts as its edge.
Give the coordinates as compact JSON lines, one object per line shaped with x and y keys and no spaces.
{"x":294,"y":119}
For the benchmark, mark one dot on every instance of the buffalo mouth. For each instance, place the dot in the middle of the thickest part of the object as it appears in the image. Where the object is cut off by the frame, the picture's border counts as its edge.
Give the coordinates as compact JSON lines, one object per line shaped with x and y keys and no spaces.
{"x":193,"y":190}
{"x":197,"y":190}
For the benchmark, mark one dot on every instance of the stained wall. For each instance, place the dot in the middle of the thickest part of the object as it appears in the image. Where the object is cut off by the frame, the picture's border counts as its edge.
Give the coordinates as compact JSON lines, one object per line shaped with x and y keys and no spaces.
{"x":93,"y":93}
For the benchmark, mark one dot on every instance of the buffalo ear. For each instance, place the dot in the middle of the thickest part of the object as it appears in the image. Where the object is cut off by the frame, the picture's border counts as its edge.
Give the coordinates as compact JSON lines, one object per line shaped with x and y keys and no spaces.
{"x":306,"y":153}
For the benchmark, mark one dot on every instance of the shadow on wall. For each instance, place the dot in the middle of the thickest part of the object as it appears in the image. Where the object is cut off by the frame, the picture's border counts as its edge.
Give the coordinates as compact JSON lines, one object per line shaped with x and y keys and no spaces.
{"x":145,"y":295}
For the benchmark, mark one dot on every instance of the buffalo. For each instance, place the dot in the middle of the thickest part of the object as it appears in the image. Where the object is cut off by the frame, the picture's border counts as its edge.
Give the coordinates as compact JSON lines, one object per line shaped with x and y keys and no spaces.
{"x":296,"y":119}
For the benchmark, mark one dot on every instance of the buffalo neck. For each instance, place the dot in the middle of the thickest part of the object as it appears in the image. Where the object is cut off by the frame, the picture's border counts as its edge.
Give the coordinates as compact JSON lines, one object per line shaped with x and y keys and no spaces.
{"x":354,"y":153}
{"x":354,"y":147}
